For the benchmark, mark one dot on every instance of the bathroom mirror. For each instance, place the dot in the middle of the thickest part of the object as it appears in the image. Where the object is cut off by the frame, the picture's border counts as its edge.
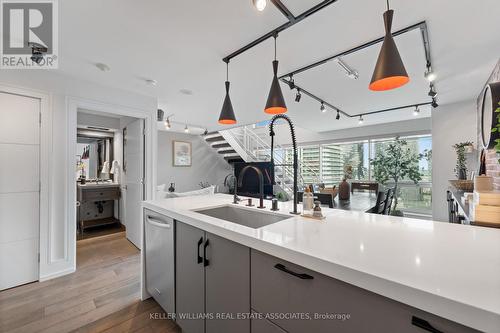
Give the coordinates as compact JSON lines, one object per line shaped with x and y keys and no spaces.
{"x":94,"y":154}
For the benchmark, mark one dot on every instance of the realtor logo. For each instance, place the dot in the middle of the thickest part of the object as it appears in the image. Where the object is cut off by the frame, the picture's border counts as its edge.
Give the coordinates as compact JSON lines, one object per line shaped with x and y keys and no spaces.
{"x":29,"y":34}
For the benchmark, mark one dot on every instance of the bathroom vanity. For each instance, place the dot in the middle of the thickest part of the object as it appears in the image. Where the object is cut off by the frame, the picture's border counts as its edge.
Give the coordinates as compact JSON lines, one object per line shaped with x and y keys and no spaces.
{"x":244,"y":269}
{"x":96,"y":202}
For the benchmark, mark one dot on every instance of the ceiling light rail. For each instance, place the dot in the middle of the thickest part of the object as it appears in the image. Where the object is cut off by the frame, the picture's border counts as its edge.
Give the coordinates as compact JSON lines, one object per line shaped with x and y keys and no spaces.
{"x":292,"y":20}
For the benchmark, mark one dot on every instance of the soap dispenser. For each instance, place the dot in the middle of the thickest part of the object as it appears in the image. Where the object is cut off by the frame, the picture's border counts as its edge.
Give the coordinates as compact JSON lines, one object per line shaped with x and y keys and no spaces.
{"x":307,"y":202}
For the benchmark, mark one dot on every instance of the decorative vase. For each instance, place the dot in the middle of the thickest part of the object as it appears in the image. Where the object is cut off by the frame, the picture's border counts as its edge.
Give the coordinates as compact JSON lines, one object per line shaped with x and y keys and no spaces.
{"x":462,"y":174}
{"x":171,"y":188}
{"x":344,"y":190}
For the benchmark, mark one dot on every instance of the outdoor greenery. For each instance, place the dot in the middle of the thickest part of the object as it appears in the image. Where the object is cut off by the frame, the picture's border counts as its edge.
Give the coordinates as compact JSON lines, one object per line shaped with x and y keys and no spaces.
{"x":461,"y":166}
{"x":395,"y":163}
{"x":496,"y":130}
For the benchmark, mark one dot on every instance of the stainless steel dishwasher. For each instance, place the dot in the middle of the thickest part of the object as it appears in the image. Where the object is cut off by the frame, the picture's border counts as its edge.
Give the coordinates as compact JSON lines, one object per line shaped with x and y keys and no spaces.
{"x":160,"y":259}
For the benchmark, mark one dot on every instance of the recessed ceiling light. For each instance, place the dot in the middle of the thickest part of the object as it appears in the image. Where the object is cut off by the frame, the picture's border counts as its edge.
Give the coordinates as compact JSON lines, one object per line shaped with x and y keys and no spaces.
{"x":151,"y":82}
{"x":103,"y":67}
{"x":186,"y":92}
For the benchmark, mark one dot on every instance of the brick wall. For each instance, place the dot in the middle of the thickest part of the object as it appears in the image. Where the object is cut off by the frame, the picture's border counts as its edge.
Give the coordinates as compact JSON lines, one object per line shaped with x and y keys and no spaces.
{"x":492,"y":165}
{"x":493,"y":168}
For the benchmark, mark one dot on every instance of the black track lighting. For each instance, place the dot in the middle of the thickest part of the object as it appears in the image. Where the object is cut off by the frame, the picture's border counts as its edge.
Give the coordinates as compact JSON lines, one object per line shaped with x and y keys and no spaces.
{"x":298,"y":96}
{"x":291,"y":83}
{"x":361,"y":120}
{"x":322,"y":107}
{"x":432,"y":91}
{"x":205,"y":132}
{"x":434,"y":103}
{"x":416,"y":112}
{"x":338,"y":115}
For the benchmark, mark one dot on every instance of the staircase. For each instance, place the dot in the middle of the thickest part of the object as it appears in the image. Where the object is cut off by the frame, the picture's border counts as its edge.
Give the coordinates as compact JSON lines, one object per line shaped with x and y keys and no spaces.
{"x":222,"y":147}
{"x":242,"y":144}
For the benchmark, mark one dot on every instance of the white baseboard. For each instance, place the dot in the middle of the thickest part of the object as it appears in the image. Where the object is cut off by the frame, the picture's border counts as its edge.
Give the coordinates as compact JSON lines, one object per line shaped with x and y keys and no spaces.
{"x":57,"y":274}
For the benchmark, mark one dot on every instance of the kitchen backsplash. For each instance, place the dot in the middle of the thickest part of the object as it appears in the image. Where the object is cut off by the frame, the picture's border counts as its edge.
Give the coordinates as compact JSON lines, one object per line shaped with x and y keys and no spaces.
{"x":492,"y":165}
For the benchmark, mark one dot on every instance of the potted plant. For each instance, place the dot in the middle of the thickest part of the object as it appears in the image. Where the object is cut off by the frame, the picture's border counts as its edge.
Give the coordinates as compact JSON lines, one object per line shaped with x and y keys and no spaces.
{"x":395,"y":163}
{"x":461,"y":167}
{"x":496,"y":130}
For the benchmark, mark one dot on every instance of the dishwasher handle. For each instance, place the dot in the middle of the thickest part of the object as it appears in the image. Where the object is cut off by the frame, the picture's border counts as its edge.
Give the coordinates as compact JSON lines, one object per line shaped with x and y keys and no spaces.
{"x":158,"y":223}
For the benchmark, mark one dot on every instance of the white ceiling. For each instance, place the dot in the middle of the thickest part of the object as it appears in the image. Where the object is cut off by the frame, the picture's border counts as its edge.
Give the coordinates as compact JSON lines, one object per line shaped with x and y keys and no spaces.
{"x":181,"y":43}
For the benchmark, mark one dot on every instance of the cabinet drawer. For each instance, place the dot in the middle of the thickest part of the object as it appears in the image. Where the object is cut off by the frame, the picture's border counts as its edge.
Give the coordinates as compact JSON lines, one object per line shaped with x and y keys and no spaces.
{"x":281,"y":287}
{"x":101,"y":194}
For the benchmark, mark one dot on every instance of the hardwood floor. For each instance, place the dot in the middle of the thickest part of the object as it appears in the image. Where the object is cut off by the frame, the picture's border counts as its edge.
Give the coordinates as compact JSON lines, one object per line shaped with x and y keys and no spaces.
{"x":101,"y":296}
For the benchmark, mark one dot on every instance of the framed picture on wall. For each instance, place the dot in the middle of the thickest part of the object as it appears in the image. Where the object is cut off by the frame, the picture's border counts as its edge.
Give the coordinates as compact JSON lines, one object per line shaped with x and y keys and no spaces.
{"x":181,"y":153}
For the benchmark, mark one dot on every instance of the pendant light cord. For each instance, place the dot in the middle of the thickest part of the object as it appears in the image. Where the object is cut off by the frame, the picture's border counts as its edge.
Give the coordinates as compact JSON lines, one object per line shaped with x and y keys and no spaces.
{"x":275,"y":46}
{"x":227,"y":70}
{"x":387,"y":4}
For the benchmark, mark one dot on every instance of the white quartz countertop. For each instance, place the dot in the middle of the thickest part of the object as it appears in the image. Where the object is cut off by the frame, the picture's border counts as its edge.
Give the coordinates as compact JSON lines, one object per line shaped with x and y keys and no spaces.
{"x":450,"y":270}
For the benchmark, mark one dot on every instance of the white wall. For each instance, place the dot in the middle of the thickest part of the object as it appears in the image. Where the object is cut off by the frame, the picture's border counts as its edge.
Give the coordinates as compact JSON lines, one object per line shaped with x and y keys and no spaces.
{"x":452,"y":123}
{"x":207,"y":166}
{"x":60,"y":254}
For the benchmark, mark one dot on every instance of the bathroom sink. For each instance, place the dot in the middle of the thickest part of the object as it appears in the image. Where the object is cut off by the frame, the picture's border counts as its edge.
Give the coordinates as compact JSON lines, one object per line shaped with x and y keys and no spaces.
{"x":248,"y":217}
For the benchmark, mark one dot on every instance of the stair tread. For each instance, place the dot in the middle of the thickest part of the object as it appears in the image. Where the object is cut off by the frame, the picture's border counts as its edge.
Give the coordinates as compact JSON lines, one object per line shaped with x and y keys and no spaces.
{"x":215,"y":138}
{"x":221,"y":145}
{"x":227,"y":150}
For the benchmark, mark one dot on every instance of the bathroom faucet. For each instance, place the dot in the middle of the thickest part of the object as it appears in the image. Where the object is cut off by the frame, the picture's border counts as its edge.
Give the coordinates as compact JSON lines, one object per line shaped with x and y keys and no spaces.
{"x":295,"y":157}
{"x":261,"y":184}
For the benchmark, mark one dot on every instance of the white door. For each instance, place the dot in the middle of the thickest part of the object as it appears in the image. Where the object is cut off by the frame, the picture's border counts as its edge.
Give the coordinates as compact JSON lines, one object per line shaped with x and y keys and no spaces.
{"x":133,"y":153}
{"x":19,"y":189}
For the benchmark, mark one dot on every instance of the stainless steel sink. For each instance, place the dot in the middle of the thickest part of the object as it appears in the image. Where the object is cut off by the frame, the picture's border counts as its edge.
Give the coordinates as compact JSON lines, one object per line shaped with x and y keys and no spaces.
{"x":248,"y":217}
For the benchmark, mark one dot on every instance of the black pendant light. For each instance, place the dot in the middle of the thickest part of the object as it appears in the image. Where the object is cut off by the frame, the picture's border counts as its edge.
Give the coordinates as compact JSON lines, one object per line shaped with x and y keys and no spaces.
{"x":275,"y":101}
{"x":390,"y":72}
{"x":227,"y":113}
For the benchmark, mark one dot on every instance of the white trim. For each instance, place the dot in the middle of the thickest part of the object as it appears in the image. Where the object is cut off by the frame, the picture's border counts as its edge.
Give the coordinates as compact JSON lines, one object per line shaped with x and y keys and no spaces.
{"x":57,"y":274}
{"x":45,"y":167}
{"x":72,"y":106}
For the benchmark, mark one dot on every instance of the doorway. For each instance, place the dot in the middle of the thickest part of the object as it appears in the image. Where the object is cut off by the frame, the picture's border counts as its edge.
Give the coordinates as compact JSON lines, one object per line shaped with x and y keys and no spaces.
{"x":110,"y":164}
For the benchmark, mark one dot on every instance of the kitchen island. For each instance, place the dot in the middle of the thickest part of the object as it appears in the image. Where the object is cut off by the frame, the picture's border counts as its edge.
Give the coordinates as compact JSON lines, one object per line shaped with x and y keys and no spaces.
{"x":396,"y":271}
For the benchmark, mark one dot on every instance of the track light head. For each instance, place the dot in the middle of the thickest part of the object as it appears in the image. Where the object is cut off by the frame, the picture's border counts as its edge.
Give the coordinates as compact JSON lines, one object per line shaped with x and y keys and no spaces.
{"x":322,"y":107}
{"x":186,"y":129}
{"x":338,"y":115}
{"x":434,"y":103}
{"x":416,"y":112}
{"x":298,"y":96}
{"x":168,"y":125}
{"x":430,"y":75}
{"x":432,"y":91}
{"x":205,"y":132}
{"x":260,"y":5}
{"x":291,"y":83}
{"x":361,"y":120}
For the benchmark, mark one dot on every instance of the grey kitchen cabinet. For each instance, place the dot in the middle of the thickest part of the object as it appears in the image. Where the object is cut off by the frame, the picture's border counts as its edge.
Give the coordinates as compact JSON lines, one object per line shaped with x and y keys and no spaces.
{"x":278,"y":286}
{"x":213,"y":282}
{"x":190,"y":278}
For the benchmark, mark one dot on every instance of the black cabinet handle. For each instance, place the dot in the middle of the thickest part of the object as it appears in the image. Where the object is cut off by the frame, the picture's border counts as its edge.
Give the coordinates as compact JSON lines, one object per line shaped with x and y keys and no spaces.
{"x":206,"y":262}
{"x":424,"y":324}
{"x":302,"y":276}
{"x":199,"y":259}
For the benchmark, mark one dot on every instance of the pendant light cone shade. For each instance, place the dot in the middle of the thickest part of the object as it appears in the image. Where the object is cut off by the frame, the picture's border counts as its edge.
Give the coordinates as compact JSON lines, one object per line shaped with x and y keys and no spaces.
{"x":275,"y":101}
{"x":390,"y":72}
{"x":227,"y":113}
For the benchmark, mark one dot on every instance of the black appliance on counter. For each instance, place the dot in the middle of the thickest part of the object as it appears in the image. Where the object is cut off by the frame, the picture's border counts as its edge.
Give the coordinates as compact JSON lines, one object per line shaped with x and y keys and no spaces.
{"x":250,"y":186}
